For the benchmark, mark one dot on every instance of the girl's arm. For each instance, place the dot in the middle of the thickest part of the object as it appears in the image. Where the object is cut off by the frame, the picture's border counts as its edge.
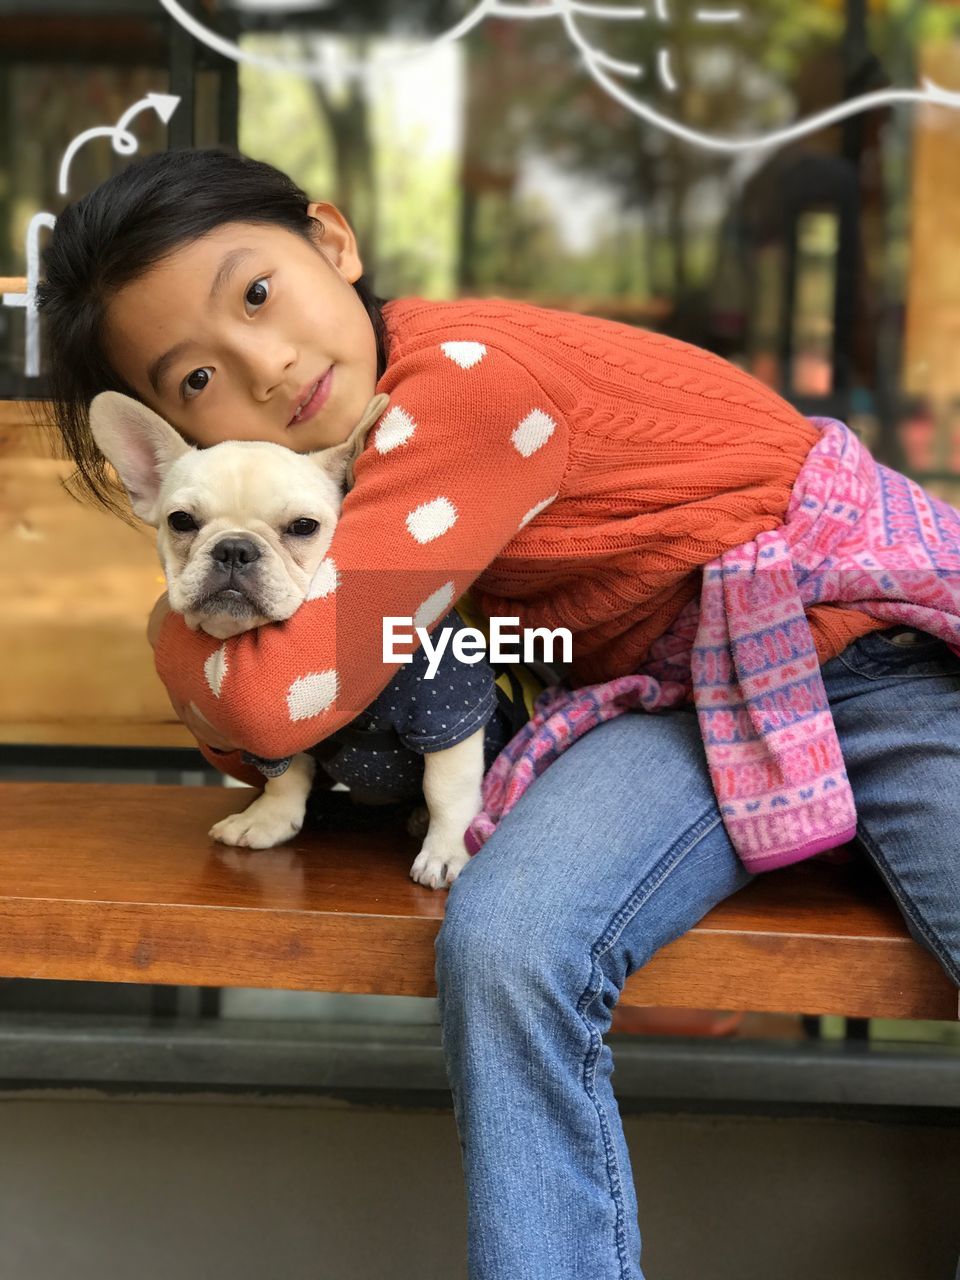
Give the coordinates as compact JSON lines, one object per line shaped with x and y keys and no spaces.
{"x":467,"y":451}
{"x":216,"y":750}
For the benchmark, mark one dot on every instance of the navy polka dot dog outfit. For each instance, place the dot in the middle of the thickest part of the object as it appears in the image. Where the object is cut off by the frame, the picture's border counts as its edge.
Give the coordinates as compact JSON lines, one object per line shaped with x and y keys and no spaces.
{"x":379,"y":755}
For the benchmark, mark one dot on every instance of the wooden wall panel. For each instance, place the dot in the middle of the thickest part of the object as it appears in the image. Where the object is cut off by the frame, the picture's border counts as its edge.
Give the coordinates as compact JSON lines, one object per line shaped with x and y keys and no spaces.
{"x":77,"y":586}
{"x":932,"y":338}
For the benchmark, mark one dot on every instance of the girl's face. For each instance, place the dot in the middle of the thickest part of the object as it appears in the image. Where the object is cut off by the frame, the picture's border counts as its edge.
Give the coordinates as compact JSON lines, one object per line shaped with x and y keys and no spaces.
{"x":251,"y":333}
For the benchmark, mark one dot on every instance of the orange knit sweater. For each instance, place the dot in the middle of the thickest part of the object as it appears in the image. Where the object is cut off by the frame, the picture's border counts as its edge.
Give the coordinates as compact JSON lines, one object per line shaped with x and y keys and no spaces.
{"x":575,"y":472}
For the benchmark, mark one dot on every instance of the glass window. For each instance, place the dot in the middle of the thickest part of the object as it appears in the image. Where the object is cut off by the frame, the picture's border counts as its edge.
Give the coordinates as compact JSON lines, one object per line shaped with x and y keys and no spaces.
{"x":533,"y":156}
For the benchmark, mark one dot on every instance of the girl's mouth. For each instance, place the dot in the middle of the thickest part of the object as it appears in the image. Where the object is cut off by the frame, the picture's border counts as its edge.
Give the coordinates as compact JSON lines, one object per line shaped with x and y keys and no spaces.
{"x":316,"y":402}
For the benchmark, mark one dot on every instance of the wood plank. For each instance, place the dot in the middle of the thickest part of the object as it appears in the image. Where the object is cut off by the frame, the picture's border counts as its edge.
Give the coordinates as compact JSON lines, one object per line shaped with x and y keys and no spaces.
{"x":78,"y":587}
{"x":26,"y":430}
{"x":23,"y":412}
{"x":120,"y":883}
{"x":100,"y":733}
{"x":932,"y":328}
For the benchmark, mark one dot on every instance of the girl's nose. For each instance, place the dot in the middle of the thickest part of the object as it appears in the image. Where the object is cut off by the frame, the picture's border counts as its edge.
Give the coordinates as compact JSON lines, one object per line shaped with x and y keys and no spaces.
{"x":269,"y":366}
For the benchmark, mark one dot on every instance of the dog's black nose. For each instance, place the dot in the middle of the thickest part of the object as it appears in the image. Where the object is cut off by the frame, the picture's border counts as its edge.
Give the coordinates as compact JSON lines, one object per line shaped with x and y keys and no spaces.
{"x":235,"y":553}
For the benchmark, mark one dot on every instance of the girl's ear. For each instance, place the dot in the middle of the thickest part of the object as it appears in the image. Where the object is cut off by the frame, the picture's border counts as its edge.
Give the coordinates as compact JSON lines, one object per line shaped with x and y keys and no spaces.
{"x":138,"y":444}
{"x":335,"y":236}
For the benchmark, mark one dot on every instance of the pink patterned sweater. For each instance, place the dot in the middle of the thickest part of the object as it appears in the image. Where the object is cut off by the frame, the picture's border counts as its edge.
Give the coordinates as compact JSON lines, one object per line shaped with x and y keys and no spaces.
{"x":856,"y":533}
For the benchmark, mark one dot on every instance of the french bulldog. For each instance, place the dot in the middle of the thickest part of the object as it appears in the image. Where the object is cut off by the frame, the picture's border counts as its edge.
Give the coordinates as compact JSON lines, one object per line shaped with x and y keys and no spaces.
{"x":223,"y":519}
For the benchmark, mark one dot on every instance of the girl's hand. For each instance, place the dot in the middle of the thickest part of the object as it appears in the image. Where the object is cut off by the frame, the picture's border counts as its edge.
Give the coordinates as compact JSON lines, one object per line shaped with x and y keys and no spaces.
{"x":200,"y":726}
{"x":196,"y":722}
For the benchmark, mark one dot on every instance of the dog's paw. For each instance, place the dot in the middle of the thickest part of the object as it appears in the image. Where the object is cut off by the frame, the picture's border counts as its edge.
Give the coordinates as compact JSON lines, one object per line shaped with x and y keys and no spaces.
{"x":418,"y":822}
{"x":256,"y":828}
{"x":438,"y":864}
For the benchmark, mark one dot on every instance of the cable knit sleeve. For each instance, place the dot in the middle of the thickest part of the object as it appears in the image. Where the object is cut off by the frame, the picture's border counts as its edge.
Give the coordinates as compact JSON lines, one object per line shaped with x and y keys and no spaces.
{"x":468,"y":451}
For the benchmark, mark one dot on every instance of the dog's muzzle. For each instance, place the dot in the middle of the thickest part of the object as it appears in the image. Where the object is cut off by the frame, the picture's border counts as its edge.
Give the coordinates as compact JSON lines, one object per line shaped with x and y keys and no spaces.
{"x":229,"y":588}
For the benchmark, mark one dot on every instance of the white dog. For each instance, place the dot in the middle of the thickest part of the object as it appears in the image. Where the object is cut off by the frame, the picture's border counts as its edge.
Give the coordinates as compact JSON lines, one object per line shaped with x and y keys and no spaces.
{"x":211,"y":506}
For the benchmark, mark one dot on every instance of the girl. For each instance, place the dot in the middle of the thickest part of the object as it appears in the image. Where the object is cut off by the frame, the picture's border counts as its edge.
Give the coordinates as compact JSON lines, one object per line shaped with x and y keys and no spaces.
{"x":573,"y":472}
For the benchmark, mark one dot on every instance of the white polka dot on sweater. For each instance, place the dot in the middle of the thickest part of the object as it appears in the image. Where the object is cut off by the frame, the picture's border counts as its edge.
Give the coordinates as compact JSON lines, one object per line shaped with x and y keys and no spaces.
{"x":535,"y":511}
{"x":396,"y":427}
{"x":323,"y":581}
{"x":215,"y":668}
{"x":465,"y":354}
{"x":310,"y":695}
{"x":435,"y":606}
{"x":431,"y":519}
{"x":533,"y":432}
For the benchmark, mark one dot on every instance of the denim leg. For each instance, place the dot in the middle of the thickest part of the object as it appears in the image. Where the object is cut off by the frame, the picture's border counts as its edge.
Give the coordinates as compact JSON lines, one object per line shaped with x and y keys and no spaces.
{"x":613,"y":852}
{"x":897,"y":712}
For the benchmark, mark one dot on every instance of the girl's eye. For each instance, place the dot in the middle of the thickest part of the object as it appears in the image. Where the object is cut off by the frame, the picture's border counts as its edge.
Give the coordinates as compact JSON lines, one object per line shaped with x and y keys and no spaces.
{"x":182,"y":522}
{"x":303,"y":528}
{"x":195,"y":382}
{"x":258,"y":293}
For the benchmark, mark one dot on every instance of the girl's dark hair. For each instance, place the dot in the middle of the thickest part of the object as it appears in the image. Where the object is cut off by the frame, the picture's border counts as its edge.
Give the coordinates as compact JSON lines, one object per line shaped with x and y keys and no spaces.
{"x":114,"y":235}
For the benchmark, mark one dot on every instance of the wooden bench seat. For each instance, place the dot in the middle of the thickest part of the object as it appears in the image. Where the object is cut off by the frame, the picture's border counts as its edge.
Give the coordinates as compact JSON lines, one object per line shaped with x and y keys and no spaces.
{"x":120,"y":883}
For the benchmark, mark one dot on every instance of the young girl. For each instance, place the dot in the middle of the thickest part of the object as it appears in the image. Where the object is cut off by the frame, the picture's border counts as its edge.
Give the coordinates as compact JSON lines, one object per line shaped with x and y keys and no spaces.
{"x":572,"y":472}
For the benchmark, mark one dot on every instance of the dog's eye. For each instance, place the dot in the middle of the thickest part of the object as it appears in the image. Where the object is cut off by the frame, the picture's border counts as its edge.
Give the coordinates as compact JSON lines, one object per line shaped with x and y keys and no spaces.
{"x":303,"y":528}
{"x":182,"y":522}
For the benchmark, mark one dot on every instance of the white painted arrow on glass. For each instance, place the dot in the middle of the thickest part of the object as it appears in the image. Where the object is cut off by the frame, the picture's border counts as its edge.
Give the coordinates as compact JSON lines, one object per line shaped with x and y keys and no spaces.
{"x":124,"y":142}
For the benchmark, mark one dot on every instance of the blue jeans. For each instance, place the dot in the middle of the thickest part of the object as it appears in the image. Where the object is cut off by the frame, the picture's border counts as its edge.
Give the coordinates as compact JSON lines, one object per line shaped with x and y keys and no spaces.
{"x":617,"y":849}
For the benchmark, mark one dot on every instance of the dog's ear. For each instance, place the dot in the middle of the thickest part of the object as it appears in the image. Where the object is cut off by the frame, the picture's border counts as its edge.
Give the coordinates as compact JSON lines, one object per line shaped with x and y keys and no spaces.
{"x":139,"y":445}
{"x":338,"y":460}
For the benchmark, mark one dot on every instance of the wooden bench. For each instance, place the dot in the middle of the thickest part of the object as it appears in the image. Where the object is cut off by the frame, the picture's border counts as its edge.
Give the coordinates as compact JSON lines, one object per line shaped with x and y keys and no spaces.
{"x":120,"y":883}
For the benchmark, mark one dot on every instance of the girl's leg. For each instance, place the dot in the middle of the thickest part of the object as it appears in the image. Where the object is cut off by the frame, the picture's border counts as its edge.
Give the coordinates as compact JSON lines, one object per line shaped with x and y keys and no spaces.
{"x":897,"y":711}
{"x":614,"y":851}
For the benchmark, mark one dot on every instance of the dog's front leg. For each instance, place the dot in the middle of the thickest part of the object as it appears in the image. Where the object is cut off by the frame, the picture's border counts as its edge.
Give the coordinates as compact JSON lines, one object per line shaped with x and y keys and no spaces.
{"x":452,"y":781}
{"x":276,"y":815}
